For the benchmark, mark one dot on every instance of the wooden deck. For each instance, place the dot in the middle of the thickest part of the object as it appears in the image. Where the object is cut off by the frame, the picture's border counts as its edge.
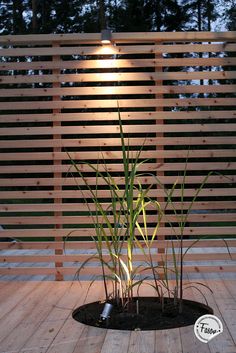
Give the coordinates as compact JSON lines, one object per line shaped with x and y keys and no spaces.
{"x":35,"y":317}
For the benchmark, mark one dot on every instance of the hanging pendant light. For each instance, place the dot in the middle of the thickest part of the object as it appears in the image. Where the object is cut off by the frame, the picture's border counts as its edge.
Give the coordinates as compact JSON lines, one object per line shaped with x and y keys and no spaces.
{"x":106,"y":36}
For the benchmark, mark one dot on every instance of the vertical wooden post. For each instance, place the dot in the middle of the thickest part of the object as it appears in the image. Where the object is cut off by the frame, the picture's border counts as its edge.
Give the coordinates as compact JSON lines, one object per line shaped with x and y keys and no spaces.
{"x":58,"y":251}
{"x":160,"y":249}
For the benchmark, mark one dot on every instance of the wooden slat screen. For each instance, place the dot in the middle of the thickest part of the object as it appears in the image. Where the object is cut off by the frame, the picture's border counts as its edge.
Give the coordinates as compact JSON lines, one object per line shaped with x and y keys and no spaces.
{"x":60,"y":93}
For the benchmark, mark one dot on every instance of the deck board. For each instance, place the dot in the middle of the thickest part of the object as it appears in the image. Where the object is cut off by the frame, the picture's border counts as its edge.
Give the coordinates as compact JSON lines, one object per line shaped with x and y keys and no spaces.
{"x":38,"y":318}
{"x":168,"y":341}
{"x":224,"y":343}
{"x":226,"y":305}
{"x":116,"y":342}
{"x":35,"y":317}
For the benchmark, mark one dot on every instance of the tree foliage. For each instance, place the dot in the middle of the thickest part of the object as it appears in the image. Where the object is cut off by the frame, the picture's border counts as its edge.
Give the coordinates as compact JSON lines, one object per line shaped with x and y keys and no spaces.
{"x":62,"y":16}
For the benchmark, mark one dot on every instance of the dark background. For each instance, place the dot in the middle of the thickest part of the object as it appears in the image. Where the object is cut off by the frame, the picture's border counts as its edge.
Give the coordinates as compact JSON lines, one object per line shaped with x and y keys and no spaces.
{"x":63,"y":16}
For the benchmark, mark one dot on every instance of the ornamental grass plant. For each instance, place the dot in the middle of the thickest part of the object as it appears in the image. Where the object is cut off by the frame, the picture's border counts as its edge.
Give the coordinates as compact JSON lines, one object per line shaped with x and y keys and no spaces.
{"x":122,"y":229}
{"x":115,"y":224}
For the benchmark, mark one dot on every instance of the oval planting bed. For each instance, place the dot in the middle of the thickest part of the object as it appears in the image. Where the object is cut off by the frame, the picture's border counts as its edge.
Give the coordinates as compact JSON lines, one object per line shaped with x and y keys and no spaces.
{"x":145,"y":313}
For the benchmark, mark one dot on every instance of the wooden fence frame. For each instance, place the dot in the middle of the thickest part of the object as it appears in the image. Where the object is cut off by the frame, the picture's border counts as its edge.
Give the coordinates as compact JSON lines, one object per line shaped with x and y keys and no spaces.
{"x":59,"y":93}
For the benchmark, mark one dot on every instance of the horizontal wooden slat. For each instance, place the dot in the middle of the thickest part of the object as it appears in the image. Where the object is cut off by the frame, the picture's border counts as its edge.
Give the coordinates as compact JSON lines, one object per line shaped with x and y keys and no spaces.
{"x":109,"y":77}
{"x":52,"y":130}
{"x":97,"y":271}
{"x":106,"y":193}
{"x":119,"y":49}
{"x":121,"y":37}
{"x":45,"y":207}
{"x":123,"y":103}
{"x":98,"y":142}
{"x":149,"y":167}
{"x":87,"y":232}
{"x":224,"y":179}
{"x":117,"y":63}
{"x":115,"y":90}
{"x":89,"y":245}
{"x":228,"y":114}
{"x":81,"y":258}
{"x":200,"y":218}
{"x":117,"y":155}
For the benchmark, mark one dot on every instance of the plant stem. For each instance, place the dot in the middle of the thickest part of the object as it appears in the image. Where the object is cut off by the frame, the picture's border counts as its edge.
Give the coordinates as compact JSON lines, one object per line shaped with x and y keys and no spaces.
{"x":154,"y":275}
{"x":181,"y":274}
{"x":104,"y":281}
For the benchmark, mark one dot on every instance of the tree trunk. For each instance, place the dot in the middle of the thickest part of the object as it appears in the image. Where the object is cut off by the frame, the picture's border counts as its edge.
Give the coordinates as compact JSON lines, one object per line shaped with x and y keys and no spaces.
{"x":158,"y":15}
{"x":18,"y":21}
{"x":34,"y":16}
{"x":102,"y":16}
{"x":209,"y":15}
{"x":209,"y":18}
{"x":199,"y":20}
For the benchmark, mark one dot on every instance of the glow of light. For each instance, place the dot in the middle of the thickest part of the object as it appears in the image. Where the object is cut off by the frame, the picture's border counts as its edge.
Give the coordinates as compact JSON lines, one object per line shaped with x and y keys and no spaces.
{"x":106,"y":50}
{"x":106,"y":41}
